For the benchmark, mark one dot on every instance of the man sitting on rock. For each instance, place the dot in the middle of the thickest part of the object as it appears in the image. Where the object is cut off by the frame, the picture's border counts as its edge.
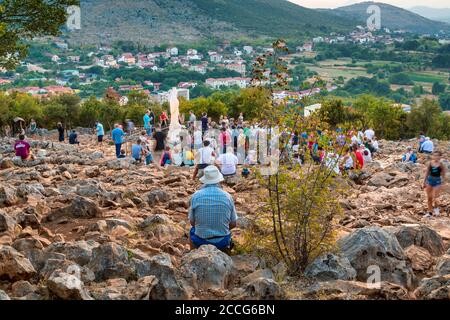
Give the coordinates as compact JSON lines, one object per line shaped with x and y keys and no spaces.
{"x":73,"y":138}
{"x":212,"y":213}
{"x":23,"y":148}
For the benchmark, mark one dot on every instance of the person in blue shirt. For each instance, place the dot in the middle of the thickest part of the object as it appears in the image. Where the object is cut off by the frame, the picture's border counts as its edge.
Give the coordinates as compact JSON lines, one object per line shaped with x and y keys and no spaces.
{"x":147,"y":123}
{"x":100,"y":131}
{"x":117,"y":136}
{"x":73,"y":137}
{"x":212,"y":213}
{"x":136,"y":151}
{"x":409,"y":156}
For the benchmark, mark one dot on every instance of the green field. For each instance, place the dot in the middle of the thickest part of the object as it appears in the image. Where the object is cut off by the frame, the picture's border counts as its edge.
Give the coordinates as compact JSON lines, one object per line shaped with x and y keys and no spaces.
{"x":428,"y":76}
{"x":330,"y":70}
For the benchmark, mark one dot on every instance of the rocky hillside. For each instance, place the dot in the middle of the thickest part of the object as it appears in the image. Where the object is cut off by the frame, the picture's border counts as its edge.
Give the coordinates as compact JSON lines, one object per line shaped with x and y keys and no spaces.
{"x":78,"y":224}
{"x":392,"y":17}
{"x":156,"y":22}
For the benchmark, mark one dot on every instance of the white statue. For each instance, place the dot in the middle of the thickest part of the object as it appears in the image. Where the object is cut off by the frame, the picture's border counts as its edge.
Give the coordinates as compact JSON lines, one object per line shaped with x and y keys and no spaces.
{"x":175,"y":126}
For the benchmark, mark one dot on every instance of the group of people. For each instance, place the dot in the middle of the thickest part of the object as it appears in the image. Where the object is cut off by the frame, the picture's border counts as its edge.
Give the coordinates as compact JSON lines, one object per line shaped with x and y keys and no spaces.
{"x":216,"y":149}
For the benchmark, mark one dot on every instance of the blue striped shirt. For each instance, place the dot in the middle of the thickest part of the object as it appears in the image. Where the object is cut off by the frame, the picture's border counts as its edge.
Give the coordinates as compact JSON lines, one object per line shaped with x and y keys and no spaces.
{"x":212,"y":210}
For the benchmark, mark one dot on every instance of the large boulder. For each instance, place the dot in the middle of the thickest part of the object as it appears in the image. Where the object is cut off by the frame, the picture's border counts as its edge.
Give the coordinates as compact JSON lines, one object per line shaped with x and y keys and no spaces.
{"x":443,"y":265}
{"x":7,"y":224}
{"x":27,"y":189}
{"x":14,"y":265}
{"x":155,"y":196}
{"x":372,"y":248}
{"x":263,"y":289}
{"x":207,"y":268}
{"x":419,"y":235}
{"x":89,"y":190}
{"x":331,"y":267}
{"x":8,"y":196}
{"x":79,"y":252}
{"x":160,"y":266}
{"x":79,"y":208}
{"x":162,"y":227}
{"x":437,"y":287}
{"x":67,"y":286}
{"x":109,"y":261}
{"x":4,"y":296}
{"x":420,"y":258}
{"x":388,"y":180}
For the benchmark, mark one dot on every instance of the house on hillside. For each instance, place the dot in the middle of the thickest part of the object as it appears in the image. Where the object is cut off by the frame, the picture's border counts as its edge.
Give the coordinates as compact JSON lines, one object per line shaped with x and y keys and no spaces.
{"x":127,"y":58}
{"x":58,"y":90}
{"x":216,"y":83}
{"x":200,"y":68}
{"x":306,"y":47}
{"x":173,"y":51}
{"x":75,"y":59}
{"x":216,"y":58}
{"x":248,"y":49}
{"x":240,"y":68}
{"x":187,"y":85}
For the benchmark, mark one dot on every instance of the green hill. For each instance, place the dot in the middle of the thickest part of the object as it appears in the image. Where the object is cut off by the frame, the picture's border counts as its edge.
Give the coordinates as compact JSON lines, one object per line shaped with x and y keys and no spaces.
{"x":175,"y":21}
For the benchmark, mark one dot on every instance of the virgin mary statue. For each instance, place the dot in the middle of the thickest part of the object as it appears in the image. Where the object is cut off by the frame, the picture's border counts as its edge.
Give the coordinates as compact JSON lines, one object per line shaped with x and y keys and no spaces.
{"x":175,"y":126}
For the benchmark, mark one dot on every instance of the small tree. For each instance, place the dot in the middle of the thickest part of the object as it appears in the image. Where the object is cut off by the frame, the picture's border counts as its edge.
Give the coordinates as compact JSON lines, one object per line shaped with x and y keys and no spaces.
{"x":299,"y":203}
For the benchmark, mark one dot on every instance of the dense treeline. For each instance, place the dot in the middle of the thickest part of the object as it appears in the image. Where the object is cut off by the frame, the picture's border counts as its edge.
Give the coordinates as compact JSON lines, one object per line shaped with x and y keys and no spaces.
{"x":389,"y":121}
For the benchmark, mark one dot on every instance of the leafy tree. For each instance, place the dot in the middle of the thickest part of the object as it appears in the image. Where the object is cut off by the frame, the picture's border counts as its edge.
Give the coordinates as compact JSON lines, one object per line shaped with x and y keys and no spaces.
{"x":90,"y":112}
{"x":333,"y":112}
{"x":400,"y":78}
{"x":438,"y":88}
{"x":21,"y":20}
{"x":26,"y":107}
{"x":444,"y":100}
{"x":385,"y":118}
{"x":425,"y":118}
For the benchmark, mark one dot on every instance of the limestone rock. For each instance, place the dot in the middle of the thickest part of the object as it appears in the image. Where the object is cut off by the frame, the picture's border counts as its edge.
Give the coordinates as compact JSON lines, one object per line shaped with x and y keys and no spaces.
{"x":79,"y":208}
{"x":160,"y":266}
{"x":7,"y":224}
{"x":419,"y":235}
{"x":376,"y":248}
{"x":420,"y":258}
{"x":8,"y":196}
{"x":263,"y":289}
{"x":4,"y":296}
{"x":437,"y":287}
{"x":79,"y":252}
{"x":207,"y":268}
{"x":67,"y":286}
{"x":109,"y":261}
{"x":443,"y":265}
{"x":14,"y":265}
{"x":331,"y":267}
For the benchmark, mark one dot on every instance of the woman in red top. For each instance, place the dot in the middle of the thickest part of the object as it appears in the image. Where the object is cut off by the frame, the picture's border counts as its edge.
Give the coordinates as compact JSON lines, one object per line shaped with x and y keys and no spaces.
{"x":163,"y":119}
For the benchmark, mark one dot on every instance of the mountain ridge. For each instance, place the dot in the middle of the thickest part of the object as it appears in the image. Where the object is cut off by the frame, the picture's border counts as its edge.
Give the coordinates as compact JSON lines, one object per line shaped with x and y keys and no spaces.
{"x":392,"y":17}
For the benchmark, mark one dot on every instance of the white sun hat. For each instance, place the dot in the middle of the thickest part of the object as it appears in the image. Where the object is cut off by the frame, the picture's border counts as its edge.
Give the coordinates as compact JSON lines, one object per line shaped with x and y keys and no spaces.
{"x":211,"y":175}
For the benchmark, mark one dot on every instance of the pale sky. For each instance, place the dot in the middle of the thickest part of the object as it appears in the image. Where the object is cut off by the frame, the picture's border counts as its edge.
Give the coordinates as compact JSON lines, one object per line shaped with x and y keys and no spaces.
{"x":398,"y":3}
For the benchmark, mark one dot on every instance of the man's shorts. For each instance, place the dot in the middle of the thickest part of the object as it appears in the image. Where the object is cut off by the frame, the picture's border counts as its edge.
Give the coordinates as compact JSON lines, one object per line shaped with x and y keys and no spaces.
{"x":149,"y":131}
{"x":100,"y":138}
{"x":197,"y":241}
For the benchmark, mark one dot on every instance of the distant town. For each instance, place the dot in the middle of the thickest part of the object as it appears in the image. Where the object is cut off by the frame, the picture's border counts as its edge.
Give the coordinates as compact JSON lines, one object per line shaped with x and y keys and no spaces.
{"x":59,"y":68}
